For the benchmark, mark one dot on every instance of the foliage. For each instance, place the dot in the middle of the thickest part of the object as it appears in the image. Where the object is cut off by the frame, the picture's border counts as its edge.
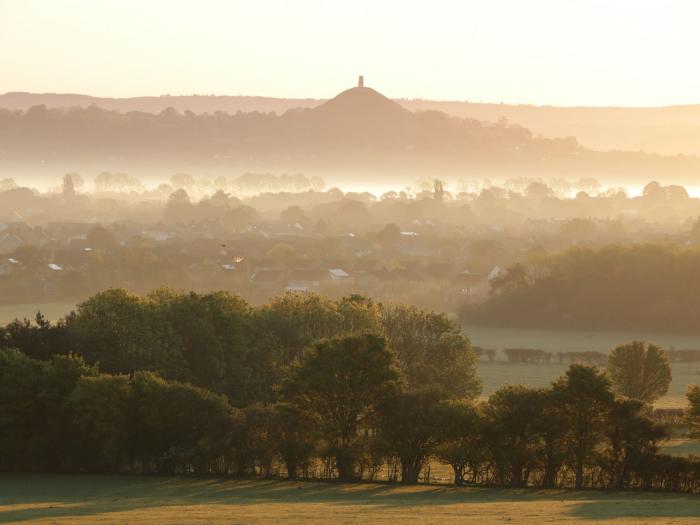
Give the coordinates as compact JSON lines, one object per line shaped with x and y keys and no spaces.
{"x":639,"y":371}
{"x":342,"y":381}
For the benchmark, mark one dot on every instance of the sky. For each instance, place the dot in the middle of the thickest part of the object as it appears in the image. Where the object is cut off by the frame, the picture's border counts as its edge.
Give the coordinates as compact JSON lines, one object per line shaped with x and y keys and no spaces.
{"x":547,"y":52}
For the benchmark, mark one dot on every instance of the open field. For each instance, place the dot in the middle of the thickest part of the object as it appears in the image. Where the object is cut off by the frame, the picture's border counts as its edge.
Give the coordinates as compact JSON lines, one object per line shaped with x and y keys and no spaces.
{"x":111,"y":499}
{"x":497,"y":374}
{"x":571,"y":340}
{"x":501,"y":373}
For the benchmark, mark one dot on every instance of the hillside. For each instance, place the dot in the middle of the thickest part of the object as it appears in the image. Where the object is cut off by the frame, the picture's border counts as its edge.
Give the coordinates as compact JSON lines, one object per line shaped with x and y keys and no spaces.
{"x":359,"y":131}
{"x":664,"y":130}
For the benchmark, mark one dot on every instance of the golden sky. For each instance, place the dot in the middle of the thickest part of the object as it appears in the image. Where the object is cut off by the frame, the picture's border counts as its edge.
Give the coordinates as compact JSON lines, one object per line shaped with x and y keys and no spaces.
{"x":559,"y":52}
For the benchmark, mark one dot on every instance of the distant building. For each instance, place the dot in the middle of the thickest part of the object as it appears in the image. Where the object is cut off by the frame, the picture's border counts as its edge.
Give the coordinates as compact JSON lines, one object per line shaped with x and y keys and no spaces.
{"x":338,"y":274}
{"x":361,"y":81}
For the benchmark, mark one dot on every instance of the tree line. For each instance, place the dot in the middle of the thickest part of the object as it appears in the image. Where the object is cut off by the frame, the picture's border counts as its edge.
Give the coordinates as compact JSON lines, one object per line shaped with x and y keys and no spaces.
{"x":636,"y":287}
{"x":305,"y":387}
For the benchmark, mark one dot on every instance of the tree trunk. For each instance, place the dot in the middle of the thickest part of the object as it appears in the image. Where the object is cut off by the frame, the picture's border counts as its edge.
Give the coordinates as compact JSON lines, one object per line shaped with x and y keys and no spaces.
{"x":410,"y":471}
{"x":291,"y":469}
{"x":459,"y":475}
{"x":579,"y":474}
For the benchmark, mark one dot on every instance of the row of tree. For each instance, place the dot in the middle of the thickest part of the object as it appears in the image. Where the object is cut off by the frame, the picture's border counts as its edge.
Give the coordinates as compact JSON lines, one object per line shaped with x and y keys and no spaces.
{"x":344,"y":412}
{"x":636,"y":287}
{"x":307,"y":387}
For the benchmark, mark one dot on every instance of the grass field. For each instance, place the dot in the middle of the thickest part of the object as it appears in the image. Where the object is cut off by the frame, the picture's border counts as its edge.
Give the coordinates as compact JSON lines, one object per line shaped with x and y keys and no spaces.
{"x":110,"y":499}
{"x":500,"y":373}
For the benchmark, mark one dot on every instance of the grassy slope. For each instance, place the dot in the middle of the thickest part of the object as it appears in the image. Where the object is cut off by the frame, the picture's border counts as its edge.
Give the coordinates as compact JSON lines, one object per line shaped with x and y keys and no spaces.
{"x":105,"y":499}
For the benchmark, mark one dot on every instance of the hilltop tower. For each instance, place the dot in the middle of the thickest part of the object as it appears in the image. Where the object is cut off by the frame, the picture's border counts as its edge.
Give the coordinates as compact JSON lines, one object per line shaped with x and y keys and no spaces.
{"x":361,"y":81}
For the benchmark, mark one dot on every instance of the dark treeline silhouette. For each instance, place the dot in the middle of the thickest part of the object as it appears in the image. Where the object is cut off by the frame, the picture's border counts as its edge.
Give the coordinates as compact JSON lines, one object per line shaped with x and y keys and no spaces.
{"x":641,"y":287}
{"x":358,"y":129}
{"x":313,"y":388}
{"x":666,"y":130}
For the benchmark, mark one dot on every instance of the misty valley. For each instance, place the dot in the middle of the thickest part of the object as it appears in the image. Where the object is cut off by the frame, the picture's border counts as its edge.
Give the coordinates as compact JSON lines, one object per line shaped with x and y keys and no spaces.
{"x":332,"y":309}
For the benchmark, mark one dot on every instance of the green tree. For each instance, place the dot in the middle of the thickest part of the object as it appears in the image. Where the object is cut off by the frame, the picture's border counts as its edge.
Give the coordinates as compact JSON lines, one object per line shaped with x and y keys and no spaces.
{"x":512,"y":433}
{"x":693,"y":415}
{"x":460,"y":442}
{"x":295,"y":436}
{"x":639,"y":371}
{"x":409,"y":427}
{"x":552,"y":427}
{"x":432,"y":351}
{"x":632,"y":440}
{"x":585,"y":397}
{"x":341,"y":381}
{"x":99,"y":406}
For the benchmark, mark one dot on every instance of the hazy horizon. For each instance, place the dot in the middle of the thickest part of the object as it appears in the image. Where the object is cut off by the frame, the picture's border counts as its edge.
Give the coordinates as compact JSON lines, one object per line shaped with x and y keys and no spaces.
{"x":586,"y":53}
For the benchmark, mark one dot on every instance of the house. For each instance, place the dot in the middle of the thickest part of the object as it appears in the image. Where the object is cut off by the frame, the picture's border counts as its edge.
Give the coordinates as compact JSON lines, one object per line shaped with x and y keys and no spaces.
{"x":305,"y":280}
{"x":156,"y":235}
{"x":495,"y":273}
{"x":338,"y":274}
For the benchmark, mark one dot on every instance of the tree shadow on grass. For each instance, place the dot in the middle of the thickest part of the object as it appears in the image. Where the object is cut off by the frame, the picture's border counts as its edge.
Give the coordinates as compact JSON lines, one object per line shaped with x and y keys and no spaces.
{"x":638,"y":505}
{"x":27,"y":497}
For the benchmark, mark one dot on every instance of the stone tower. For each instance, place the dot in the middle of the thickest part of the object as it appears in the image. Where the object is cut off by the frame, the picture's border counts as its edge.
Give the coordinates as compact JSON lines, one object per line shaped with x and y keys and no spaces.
{"x":361,"y":81}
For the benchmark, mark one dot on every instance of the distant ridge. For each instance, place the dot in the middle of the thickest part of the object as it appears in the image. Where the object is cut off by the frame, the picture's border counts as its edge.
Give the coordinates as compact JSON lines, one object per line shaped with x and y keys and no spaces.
{"x":360,"y":131}
{"x":664,"y":130}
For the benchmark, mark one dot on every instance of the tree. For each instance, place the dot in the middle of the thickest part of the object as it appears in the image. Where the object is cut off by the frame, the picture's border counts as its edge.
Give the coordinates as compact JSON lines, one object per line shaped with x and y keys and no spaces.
{"x":438,"y":190}
{"x":693,"y":397}
{"x":584,"y":396}
{"x":182,"y":181}
{"x":460,"y":439}
{"x":100,"y":238}
{"x":552,"y":427}
{"x":295,"y":437}
{"x":294,"y":215}
{"x":639,"y":371}
{"x":632,"y":439}
{"x":99,"y":406}
{"x":432,"y":351}
{"x":71,"y":183}
{"x":35,"y":428}
{"x":410,"y":429}
{"x":341,"y":382}
{"x":178,"y":208}
{"x":512,"y":431}
{"x":389,"y":235}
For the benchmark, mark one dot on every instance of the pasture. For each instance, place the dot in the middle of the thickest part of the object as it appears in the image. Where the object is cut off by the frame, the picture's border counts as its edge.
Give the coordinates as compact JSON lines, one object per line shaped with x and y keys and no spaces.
{"x":499,"y":373}
{"x":55,"y":499}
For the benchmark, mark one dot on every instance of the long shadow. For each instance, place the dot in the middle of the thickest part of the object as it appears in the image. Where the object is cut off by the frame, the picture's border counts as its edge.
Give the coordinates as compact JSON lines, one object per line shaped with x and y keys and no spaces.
{"x":82,"y":496}
{"x":641,"y":506}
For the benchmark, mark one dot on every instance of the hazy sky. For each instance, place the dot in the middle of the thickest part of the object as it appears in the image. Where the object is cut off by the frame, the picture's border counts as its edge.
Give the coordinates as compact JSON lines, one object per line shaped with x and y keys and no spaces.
{"x":560,"y":52}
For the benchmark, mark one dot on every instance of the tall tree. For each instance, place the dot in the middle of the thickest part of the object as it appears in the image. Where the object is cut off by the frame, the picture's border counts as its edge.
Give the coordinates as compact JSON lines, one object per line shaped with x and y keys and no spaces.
{"x":461,"y":439}
{"x":639,"y":371}
{"x":432,"y":351}
{"x":409,"y":426}
{"x":632,"y":438}
{"x":585,"y":397}
{"x":341,"y":381}
{"x":512,"y":432}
